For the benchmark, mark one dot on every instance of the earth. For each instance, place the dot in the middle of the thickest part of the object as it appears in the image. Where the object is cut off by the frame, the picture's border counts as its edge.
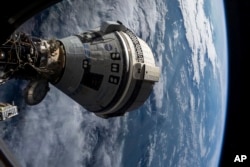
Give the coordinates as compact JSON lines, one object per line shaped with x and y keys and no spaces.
{"x":181,"y":123}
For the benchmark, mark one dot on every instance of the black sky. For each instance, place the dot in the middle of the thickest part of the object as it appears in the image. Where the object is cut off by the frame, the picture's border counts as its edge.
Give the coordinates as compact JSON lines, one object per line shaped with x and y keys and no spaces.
{"x":237,"y":124}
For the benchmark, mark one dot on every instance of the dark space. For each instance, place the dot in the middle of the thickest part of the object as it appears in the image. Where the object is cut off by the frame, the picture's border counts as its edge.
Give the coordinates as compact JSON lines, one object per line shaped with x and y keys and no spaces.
{"x":236,"y":136}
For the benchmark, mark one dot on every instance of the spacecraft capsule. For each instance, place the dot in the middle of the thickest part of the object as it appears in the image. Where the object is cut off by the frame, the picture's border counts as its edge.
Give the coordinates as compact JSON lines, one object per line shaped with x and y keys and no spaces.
{"x":109,"y":70}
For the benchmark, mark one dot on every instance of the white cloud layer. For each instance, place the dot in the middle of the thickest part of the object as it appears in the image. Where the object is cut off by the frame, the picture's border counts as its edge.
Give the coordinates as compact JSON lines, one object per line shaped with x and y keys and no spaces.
{"x":199,"y":35}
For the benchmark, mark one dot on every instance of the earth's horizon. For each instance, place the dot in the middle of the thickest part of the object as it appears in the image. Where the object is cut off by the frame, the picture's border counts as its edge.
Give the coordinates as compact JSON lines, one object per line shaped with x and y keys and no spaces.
{"x":181,"y":123}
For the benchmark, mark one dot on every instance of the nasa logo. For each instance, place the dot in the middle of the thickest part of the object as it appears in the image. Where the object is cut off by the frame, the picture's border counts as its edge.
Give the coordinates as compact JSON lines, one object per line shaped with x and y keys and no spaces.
{"x":108,"y":47}
{"x":240,"y":158}
{"x":86,"y":50}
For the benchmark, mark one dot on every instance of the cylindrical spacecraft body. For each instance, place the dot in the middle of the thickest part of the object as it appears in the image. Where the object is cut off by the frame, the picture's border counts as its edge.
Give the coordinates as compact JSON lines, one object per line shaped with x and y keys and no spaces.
{"x":109,"y":74}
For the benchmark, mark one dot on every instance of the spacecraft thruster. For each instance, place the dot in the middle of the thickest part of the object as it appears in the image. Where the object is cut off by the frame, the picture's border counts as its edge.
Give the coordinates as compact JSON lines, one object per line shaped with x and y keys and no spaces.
{"x":107,"y":70}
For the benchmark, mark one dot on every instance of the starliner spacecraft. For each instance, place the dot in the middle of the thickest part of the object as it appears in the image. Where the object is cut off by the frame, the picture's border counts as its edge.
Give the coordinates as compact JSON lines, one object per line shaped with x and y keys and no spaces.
{"x":107,"y":70}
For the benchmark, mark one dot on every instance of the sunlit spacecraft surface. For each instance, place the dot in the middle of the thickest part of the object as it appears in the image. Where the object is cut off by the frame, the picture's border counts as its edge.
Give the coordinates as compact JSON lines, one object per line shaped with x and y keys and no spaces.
{"x":107,"y":70}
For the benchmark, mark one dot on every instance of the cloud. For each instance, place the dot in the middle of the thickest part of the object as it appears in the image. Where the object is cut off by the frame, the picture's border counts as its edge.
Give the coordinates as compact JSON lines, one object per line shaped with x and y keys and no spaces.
{"x":199,"y":35}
